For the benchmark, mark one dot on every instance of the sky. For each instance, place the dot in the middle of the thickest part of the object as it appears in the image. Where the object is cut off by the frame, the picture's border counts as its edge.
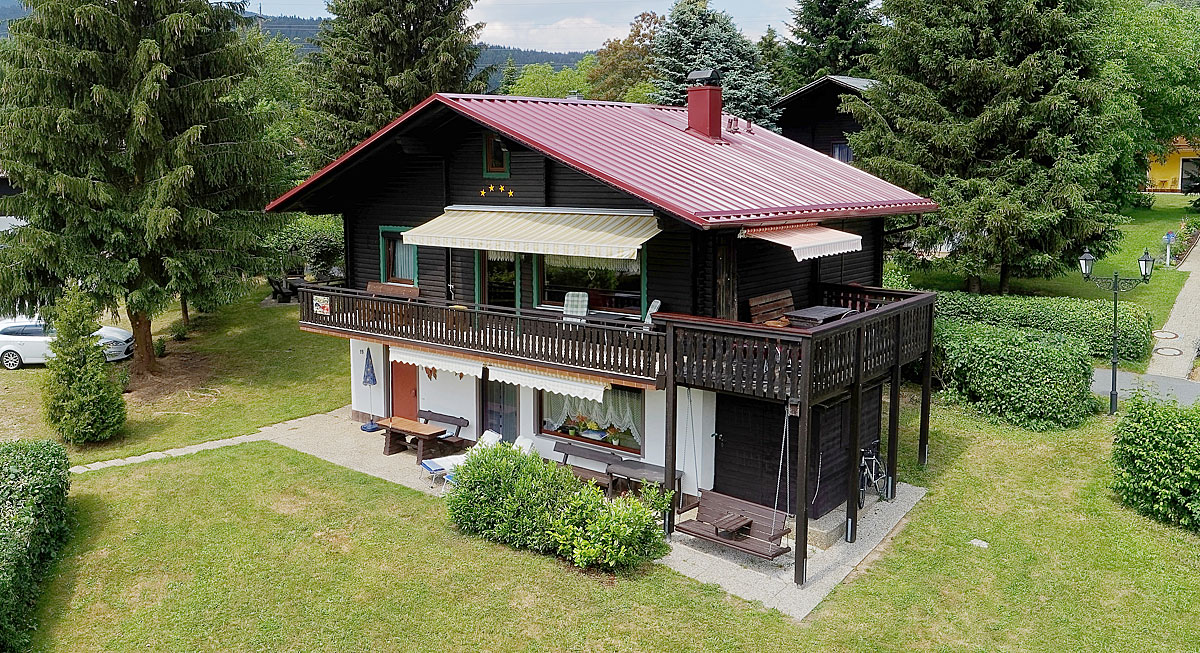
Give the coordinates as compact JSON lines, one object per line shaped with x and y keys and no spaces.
{"x":569,"y":25}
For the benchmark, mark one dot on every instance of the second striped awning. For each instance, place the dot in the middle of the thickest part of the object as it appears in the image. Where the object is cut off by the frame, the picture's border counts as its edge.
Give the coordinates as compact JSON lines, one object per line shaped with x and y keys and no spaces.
{"x":808,"y":241}
{"x":537,"y":230}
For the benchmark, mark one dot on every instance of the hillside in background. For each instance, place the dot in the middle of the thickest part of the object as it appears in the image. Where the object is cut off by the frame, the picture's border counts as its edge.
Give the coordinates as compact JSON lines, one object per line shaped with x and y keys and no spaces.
{"x":299,"y":30}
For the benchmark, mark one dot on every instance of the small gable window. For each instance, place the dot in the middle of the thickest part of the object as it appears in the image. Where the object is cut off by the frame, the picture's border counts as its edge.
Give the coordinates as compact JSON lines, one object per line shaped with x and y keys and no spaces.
{"x":495,"y":157}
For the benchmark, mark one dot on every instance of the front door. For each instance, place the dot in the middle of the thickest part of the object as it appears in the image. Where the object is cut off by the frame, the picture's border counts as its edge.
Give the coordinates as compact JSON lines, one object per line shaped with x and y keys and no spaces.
{"x":404,"y":390}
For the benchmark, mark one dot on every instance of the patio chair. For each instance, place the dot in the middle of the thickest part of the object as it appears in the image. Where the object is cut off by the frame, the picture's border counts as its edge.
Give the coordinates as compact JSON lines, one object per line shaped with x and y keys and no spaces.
{"x":651,"y":310}
{"x":443,"y":467}
{"x":525,"y":444}
{"x":575,"y":307}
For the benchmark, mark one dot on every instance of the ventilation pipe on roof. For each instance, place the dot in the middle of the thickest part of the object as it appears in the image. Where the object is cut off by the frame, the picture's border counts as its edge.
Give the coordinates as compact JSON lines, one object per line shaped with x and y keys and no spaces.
{"x":704,"y":103}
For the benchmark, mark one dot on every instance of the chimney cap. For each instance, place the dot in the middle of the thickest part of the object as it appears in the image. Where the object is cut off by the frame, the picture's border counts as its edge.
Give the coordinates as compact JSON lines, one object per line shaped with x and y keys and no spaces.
{"x":705,"y":77}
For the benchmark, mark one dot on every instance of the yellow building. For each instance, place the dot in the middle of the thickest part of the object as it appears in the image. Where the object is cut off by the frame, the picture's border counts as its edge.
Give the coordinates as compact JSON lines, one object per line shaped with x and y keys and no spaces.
{"x":1178,"y":171}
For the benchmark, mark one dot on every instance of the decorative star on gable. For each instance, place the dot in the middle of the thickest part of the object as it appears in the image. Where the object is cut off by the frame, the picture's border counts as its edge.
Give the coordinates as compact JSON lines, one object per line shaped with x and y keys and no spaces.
{"x":493,"y":189}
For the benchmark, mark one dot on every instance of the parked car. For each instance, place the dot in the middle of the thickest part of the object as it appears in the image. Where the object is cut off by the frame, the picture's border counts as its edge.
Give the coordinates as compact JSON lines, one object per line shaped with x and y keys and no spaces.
{"x":27,"y":340}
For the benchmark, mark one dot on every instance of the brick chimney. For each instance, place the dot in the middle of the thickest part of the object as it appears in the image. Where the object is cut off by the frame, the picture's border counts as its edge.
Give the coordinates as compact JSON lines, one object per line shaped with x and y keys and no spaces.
{"x":704,"y":103}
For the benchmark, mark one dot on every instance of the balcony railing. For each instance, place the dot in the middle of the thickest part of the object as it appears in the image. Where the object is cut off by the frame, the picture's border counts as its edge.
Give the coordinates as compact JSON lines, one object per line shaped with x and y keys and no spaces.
{"x":892,"y":328}
{"x":618,"y":348}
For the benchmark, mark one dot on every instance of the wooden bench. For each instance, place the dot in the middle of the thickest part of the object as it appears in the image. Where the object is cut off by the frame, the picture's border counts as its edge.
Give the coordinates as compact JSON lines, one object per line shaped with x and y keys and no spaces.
{"x":397,"y":431}
{"x":392,"y":290}
{"x":738,"y":524}
{"x":280,"y":291}
{"x":454,"y":439}
{"x":603,"y":479}
{"x":770,"y":307}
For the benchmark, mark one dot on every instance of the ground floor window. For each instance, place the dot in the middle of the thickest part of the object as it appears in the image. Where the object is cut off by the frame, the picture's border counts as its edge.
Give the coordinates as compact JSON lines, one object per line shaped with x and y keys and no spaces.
{"x":500,"y":405}
{"x":616,"y":421}
{"x":1189,"y":176}
{"x":611,"y":284}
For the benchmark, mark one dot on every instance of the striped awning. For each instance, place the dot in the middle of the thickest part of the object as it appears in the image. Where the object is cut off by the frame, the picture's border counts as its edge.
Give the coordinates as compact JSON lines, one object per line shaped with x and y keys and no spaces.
{"x":427,"y":359}
{"x":550,"y":381}
{"x":807,"y":241}
{"x":539,"y":230}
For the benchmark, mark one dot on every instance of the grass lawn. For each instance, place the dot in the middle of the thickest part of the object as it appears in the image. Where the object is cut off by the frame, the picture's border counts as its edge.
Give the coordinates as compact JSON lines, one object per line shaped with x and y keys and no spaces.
{"x":242,"y":367}
{"x":1144,"y":231}
{"x":257,"y":547}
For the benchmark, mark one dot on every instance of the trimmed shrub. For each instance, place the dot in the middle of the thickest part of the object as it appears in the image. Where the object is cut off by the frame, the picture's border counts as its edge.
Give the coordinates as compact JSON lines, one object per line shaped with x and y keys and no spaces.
{"x":896,"y":277}
{"x":1034,"y":379}
{"x":506,"y":496}
{"x":81,"y":393}
{"x":314,"y":240}
{"x":1156,"y":460}
{"x":1090,"y":319}
{"x":160,"y":347}
{"x":33,"y":527}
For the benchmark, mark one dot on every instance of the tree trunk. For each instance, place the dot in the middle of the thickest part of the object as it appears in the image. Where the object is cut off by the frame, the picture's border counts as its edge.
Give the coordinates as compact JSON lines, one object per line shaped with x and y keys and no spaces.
{"x":143,"y":352}
{"x":1005,"y":275}
{"x":973,"y":284}
{"x":184,"y":310}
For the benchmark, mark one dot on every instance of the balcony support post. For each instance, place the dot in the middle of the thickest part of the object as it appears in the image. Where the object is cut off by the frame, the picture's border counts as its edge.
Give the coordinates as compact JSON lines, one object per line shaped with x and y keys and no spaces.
{"x":800,"y":419}
{"x":926,"y":392}
{"x":854,"y":453}
{"x":672,"y":416}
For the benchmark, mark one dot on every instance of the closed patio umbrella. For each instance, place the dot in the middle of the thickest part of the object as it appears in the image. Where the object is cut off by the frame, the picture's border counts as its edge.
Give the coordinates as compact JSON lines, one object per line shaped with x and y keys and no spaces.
{"x":370,"y":380}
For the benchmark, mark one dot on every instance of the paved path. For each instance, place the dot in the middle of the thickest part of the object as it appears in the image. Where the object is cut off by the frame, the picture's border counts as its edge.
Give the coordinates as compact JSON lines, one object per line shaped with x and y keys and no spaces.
{"x":1185,"y":321}
{"x":1187,"y":392}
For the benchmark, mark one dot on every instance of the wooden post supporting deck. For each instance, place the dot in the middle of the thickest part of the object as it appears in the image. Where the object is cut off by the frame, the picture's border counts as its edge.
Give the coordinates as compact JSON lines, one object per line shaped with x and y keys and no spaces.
{"x":926,"y":390}
{"x":893,"y":442}
{"x":672,"y":419}
{"x":801,"y":420}
{"x":855,"y":453}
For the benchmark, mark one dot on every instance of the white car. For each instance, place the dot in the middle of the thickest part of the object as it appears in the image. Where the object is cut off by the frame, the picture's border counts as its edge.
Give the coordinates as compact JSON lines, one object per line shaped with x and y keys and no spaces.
{"x":27,"y":340}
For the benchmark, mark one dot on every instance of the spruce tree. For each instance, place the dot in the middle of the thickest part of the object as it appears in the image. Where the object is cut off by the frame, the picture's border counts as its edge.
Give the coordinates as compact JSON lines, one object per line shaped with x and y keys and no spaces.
{"x":379,"y":58}
{"x":81,"y":397}
{"x":773,"y":52}
{"x":830,"y":38}
{"x":141,"y":177}
{"x":695,"y":37}
{"x":1004,"y":114}
{"x":509,"y":77}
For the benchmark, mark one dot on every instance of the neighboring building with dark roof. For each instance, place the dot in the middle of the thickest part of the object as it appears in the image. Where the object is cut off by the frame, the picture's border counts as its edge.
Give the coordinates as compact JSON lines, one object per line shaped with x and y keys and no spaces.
{"x":812,"y":116}
{"x":628,"y":288}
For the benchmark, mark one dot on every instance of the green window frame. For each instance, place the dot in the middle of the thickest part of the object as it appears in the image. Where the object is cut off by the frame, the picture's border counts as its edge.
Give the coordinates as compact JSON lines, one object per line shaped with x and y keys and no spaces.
{"x":388,"y":234}
{"x":491,"y":167}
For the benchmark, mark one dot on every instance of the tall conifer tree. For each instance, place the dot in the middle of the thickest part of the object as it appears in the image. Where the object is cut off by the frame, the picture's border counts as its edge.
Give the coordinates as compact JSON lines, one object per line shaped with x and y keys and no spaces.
{"x":140,"y":176}
{"x":830,"y":38}
{"x":379,"y":58}
{"x":1004,"y":113}
{"x":695,"y":37}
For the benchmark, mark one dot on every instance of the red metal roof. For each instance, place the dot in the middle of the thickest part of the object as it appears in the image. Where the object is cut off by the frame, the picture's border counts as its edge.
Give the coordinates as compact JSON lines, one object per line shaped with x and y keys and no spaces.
{"x":750,"y":176}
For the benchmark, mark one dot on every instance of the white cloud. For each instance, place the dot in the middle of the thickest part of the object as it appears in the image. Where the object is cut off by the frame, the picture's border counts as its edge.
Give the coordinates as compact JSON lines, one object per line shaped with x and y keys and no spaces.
{"x":565,"y":35}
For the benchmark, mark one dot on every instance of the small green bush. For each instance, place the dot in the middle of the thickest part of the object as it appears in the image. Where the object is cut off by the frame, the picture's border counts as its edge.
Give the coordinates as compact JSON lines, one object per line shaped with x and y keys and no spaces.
{"x":1090,"y":319}
{"x":1156,"y":460}
{"x":178,"y":331}
{"x":315,"y":240}
{"x":81,"y":392}
{"x":1034,"y":379}
{"x":160,"y":347}
{"x":506,"y":496}
{"x":33,"y":527}
{"x":896,"y":277}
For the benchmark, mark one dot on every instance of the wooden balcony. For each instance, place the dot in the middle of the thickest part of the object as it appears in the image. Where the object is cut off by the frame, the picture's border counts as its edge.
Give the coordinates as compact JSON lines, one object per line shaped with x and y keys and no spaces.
{"x":892,"y":328}
{"x":619,"y":349}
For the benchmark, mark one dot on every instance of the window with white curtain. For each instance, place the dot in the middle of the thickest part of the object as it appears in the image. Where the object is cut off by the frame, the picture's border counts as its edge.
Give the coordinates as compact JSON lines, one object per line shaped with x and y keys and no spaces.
{"x":617,"y":421}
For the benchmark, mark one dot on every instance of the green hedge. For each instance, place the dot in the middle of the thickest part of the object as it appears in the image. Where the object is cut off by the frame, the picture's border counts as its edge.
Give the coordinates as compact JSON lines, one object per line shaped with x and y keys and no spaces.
{"x":1034,"y":379}
{"x":1156,"y":460}
{"x":33,"y":526}
{"x":506,"y":496}
{"x":1090,"y":319}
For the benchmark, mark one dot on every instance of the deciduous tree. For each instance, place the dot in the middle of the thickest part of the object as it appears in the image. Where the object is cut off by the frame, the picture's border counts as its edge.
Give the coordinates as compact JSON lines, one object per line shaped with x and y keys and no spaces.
{"x":379,"y":58}
{"x":541,"y":80}
{"x":695,"y":37}
{"x":142,"y":178}
{"x":624,"y":64}
{"x":1007,"y":115}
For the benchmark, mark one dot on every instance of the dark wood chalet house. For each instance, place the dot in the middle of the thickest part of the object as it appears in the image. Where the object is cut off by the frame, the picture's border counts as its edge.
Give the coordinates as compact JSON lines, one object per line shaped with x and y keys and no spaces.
{"x":665,"y":286}
{"x":811,"y":115}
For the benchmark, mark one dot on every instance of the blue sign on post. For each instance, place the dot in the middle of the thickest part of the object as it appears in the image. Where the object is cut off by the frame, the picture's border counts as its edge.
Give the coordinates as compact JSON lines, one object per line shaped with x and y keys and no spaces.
{"x":1170,"y":237}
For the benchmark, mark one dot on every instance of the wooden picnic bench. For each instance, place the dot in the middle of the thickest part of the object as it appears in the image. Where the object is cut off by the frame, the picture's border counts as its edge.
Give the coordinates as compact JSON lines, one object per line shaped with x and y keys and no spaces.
{"x":603,"y":479}
{"x":281,"y":291}
{"x":402,"y":433}
{"x":738,"y":524}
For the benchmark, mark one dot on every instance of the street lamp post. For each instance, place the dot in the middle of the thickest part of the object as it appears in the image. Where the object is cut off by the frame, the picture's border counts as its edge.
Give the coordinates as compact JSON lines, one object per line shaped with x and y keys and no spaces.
{"x":1117,"y":285}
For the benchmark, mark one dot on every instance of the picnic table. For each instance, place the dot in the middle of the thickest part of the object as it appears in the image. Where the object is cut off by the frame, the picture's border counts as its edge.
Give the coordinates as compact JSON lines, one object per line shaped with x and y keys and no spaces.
{"x":817,"y":315}
{"x":399,"y":429}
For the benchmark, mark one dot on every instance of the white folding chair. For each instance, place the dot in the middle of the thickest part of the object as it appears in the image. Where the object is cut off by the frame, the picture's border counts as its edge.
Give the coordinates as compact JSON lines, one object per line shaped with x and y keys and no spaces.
{"x":575,"y":307}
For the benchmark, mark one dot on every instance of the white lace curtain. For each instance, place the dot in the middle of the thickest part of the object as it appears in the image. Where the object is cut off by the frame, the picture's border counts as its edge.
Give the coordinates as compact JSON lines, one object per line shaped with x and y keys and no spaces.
{"x":621,"y":408}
